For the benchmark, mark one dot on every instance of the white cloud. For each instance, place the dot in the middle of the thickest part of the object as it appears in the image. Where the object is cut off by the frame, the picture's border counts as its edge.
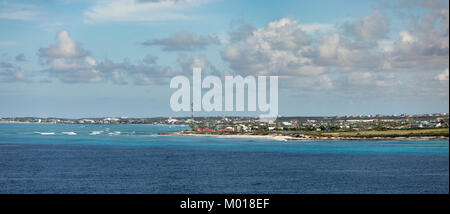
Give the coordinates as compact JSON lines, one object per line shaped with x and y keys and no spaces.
{"x":314,"y":27}
{"x":381,"y":83}
{"x":374,"y":26}
{"x":276,"y":49}
{"x":187,"y":63}
{"x":406,"y":37}
{"x":325,"y":82}
{"x":184,"y":41}
{"x":308,"y":83}
{"x":443,"y":76}
{"x":386,"y":45}
{"x":285,"y":48}
{"x":20,"y":74}
{"x":337,"y":50}
{"x":139,"y":11}
{"x":69,"y":62}
{"x":142,"y":74}
{"x":18,"y":11}
{"x":310,"y":70}
{"x":329,"y":48}
{"x":117,"y":78}
{"x":24,"y":15}
{"x":12,"y":73}
{"x":424,"y":45}
{"x":360,"y":78}
{"x":65,"y":48}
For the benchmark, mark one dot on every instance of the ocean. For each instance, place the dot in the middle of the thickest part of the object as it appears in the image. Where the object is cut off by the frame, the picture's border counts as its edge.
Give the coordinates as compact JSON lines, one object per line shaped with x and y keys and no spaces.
{"x":63,"y":158}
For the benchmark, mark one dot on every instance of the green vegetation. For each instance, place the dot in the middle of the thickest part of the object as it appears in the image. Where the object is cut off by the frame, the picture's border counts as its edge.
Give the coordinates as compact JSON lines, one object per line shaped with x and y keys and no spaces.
{"x":434,"y":132}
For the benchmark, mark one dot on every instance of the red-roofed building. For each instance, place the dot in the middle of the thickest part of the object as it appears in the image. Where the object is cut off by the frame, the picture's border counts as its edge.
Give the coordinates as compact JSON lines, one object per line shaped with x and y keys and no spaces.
{"x":225,"y":130}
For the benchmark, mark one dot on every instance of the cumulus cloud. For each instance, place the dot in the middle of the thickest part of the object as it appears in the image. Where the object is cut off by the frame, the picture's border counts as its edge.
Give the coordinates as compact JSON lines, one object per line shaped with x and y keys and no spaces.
{"x":321,"y":82}
{"x":317,"y":27}
{"x":12,"y":73}
{"x":337,"y":50}
{"x":361,"y":56}
{"x":153,"y":75}
{"x":69,"y":62}
{"x":239,"y":30}
{"x":364,"y":53}
{"x":278,"y":48}
{"x":369,"y":80}
{"x":421,"y":47}
{"x":187,"y":63}
{"x":424,"y":45}
{"x":139,"y":10}
{"x":283,"y":48}
{"x":360,"y":78}
{"x":183,"y":41}
{"x":325,"y":82}
{"x":140,"y":74}
{"x":374,"y":26}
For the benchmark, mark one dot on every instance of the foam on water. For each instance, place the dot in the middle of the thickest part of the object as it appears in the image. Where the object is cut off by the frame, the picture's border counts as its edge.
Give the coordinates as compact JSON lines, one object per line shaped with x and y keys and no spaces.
{"x":96,"y":132}
{"x":47,"y":133}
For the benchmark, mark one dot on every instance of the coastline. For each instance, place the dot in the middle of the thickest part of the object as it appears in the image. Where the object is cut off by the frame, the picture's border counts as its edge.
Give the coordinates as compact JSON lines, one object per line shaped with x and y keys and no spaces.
{"x":306,"y":138}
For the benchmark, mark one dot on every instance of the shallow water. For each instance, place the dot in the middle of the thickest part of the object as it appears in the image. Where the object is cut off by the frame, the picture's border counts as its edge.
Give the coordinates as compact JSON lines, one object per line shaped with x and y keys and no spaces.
{"x":134,"y":159}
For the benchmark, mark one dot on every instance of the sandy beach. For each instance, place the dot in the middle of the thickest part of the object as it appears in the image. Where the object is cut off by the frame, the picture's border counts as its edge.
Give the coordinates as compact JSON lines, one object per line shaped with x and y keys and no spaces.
{"x":306,"y":138}
{"x":271,"y":137}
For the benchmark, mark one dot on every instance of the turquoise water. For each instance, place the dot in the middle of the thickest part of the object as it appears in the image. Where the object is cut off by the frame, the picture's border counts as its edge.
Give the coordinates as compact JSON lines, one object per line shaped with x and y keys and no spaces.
{"x":63,"y":158}
{"x":147,"y":136}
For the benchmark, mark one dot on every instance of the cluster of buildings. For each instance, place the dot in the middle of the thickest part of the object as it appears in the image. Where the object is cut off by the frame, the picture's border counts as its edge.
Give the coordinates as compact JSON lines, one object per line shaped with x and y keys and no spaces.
{"x":337,"y":123}
{"x":251,"y":124}
{"x":106,"y":120}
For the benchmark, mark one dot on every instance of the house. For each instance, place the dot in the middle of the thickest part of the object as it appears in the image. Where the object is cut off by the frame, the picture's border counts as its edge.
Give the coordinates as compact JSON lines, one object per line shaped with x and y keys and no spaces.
{"x":170,"y":120}
{"x":204,"y":130}
{"x":287,"y":123}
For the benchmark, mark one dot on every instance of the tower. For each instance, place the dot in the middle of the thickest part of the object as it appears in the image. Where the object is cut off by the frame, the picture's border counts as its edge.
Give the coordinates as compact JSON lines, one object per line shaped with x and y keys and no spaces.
{"x":192,"y":111}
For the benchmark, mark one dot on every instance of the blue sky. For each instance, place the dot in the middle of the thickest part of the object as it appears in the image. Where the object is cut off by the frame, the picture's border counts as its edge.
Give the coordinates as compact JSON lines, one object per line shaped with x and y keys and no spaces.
{"x":76,"y":59}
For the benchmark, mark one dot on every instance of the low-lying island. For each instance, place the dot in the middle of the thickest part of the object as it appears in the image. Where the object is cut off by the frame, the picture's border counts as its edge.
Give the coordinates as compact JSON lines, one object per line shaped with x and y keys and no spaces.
{"x":419,"y":134}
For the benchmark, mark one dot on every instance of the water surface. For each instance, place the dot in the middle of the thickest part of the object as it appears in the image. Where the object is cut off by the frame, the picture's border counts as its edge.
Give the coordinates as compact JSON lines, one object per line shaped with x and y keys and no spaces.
{"x":61,"y":158}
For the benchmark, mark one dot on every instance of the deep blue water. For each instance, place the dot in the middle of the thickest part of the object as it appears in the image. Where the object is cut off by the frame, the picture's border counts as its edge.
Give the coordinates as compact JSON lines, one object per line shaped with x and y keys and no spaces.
{"x":134,"y":159}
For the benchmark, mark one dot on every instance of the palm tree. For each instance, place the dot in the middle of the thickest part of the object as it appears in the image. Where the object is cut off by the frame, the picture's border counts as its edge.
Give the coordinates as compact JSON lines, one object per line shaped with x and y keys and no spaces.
{"x":192,"y":125}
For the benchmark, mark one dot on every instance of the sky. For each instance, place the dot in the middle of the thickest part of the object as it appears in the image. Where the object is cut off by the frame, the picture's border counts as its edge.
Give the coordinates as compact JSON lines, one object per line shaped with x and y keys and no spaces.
{"x":102,"y":58}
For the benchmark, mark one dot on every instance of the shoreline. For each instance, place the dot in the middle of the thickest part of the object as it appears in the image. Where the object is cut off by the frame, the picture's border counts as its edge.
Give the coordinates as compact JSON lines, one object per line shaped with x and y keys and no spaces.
{"x":307,"y":138}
